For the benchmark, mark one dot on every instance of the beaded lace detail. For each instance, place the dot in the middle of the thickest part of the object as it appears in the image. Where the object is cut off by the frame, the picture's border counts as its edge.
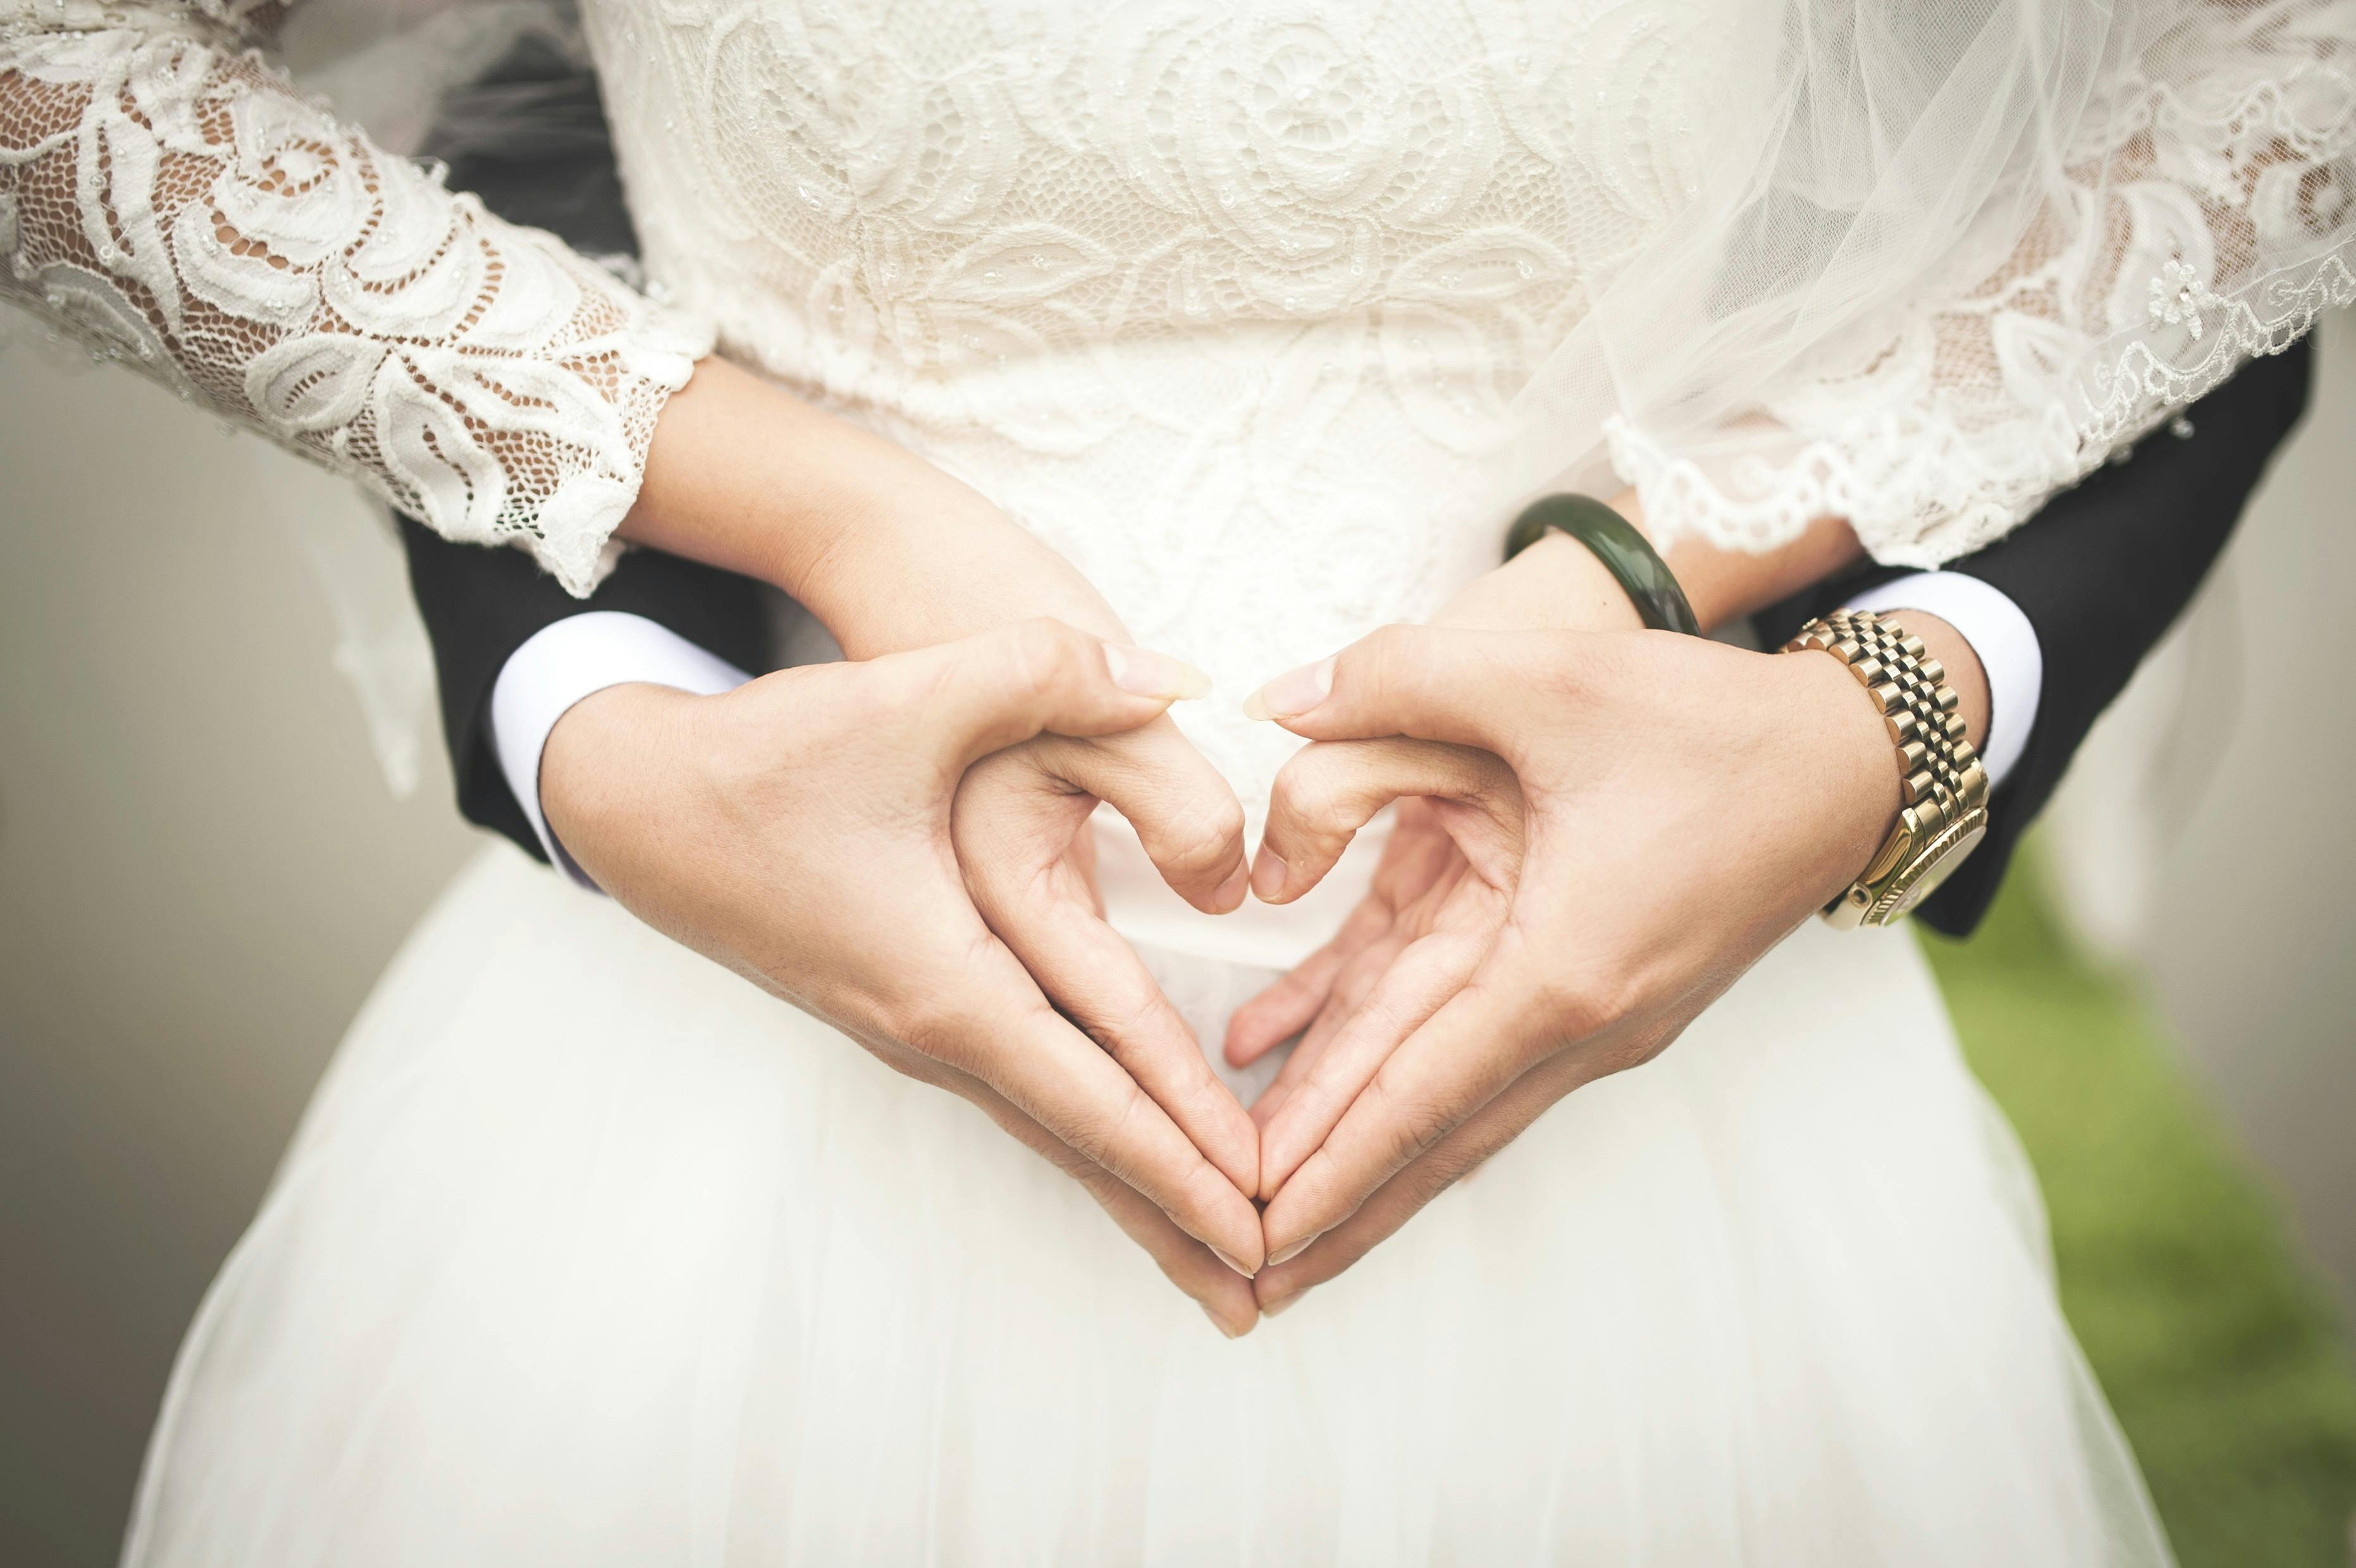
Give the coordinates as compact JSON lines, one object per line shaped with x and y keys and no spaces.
{"x":169,"y":200}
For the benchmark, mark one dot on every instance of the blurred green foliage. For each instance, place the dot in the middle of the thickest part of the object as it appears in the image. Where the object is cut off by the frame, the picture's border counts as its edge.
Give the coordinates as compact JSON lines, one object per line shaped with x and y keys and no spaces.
{"x":2225,"y":1358}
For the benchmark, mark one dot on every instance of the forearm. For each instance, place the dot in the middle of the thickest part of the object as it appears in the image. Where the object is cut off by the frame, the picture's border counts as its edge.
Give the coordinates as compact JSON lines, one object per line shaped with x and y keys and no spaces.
{"x":182,"y":209}
{"x":886,"y":550}
{"x":1558,"y":584}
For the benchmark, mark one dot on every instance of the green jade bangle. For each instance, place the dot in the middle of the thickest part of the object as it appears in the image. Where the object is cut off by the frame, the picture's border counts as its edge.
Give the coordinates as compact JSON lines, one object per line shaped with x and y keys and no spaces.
{"x":1627,"y":554}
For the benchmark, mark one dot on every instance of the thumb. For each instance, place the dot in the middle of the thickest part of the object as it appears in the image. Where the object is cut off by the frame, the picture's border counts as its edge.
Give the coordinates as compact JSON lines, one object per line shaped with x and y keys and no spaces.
{"x":1331,"y":789}
{"x":984,"y":694}
{"x":1182,"y":810}
{"x":1427,"y":682}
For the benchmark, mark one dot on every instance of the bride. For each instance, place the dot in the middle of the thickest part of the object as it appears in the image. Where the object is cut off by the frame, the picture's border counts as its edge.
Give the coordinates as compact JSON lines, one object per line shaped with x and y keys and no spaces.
{"x":1236,"y":333}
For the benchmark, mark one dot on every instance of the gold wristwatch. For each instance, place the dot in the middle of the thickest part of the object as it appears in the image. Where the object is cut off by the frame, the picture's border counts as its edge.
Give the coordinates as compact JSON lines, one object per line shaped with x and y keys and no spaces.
{"x":1945,"y":811}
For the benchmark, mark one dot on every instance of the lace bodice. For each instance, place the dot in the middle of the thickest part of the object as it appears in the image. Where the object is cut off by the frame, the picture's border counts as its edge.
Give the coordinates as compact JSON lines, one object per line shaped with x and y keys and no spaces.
{"x":1264,"y":315}
{"x":169,"y":200}
{"x":1244,"y":307}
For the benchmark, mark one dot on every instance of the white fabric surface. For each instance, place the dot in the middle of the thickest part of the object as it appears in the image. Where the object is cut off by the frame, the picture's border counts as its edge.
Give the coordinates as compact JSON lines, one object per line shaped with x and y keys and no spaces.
{"x":590,"y":1253}
{"x":2010,"y":653}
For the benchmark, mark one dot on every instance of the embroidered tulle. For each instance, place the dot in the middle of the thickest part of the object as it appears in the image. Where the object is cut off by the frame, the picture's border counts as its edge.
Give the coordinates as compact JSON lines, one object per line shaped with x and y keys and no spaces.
{"x":2172,"y":193}
{"x":173,"y":202}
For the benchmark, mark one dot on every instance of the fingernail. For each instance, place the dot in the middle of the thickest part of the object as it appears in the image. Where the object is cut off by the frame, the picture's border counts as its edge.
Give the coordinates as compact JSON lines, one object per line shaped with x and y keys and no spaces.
{"x":1152,"y":674}
{"x":1281,"y":1303}
{"x":1267,"y":874}
{"x":1231,"y":1263}
{"x":1292,"y":1252}
{"x":1231,"y":891}
{"x":1292,"y":694}
{"x":1231,"y":1333}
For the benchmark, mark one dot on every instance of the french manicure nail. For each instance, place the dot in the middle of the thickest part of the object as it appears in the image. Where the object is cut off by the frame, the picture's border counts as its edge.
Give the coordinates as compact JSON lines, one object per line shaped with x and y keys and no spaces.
{"x":1281,"y":1303}
{"x":1292,"y":694}
{"x":1152,"y":674}
{"x":1231,"y":1262}
{"x":1292,"y":1251}
{"x":1267,"y":874}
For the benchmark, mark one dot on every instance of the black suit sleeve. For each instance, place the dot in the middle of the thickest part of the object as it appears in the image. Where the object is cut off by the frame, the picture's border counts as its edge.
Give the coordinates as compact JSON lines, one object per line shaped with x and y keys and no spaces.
{"x":530,"y":140}
{"x":2102,"y":573}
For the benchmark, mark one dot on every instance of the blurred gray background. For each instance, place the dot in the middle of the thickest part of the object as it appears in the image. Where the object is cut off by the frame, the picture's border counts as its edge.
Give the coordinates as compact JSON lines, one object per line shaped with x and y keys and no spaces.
{"x":202,"y":870}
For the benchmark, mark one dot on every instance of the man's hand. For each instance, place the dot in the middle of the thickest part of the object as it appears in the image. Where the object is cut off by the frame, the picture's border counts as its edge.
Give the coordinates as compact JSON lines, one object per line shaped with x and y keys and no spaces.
{"x":1021,"y":831}
{"x":1666,"y":809}
{"x":892,"y":553}
{"x":798,"y":831}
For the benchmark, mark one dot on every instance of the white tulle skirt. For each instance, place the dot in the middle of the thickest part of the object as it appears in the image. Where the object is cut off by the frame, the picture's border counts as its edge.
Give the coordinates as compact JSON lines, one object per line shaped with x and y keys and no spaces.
{"x":590,"y":1253}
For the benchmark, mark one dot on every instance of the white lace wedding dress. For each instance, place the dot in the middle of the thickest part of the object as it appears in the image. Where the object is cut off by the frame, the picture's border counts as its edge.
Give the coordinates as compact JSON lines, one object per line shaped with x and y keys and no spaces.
{"x":588,"y":1252}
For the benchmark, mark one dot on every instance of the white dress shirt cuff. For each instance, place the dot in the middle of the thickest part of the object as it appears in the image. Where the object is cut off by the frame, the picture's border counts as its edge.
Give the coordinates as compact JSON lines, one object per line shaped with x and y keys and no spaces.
{"x":1999,"y":632}
{"x":571,"y":659}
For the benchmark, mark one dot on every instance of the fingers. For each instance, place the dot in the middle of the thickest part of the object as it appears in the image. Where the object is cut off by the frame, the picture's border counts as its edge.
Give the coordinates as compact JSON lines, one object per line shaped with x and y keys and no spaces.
{"x":981,"y":694}
{"x":1183,"y":812}
{"x":1224,"y":1295}
{"x":1292,"y":1000}
{"x":1015,"y":820}
{"x":1283,"y":1009}
{"x":1095,"y":977}
{"x":1417,"y":985}
{"x":1427,"y":682}
{"x":1332,"y":788}
{"x":1480,"y":1040}
{"x":1358,"y":978}
{"x":1000,"y":1029}
{"x":1403,"y":1196}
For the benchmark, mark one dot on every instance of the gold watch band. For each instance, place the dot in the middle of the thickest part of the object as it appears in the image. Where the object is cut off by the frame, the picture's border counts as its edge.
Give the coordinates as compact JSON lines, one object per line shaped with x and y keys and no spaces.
{"x":1943,"y":798}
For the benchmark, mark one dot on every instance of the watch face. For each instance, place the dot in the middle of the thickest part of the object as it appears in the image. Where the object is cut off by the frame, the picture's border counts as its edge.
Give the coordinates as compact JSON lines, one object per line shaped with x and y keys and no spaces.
{"x":1940,"y":862}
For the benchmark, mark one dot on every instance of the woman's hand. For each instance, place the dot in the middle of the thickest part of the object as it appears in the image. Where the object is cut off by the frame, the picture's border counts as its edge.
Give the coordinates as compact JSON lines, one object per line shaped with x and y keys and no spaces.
{"x":1681,"y":807}
{"x":886,"y":550}
{"x":798,"y":831}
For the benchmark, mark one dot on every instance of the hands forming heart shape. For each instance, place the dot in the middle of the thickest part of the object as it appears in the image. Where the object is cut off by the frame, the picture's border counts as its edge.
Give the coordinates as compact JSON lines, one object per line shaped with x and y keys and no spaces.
{"x":1552,"y":906}
{"x":1598,"y":833}
{"x":1601,"y":828}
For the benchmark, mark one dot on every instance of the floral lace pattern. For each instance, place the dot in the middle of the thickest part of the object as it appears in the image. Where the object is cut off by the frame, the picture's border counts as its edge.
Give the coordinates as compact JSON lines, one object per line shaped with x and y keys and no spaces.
{"x":175,"y":204}
{"x":1228,"y":304}
{"x":1238,"y":307}
{"x":2207,"y":221}
{"x":1223,"y":302}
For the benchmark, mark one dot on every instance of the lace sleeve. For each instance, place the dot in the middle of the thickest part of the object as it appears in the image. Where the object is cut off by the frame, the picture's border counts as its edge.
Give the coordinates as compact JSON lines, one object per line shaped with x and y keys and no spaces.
{"x":2197,"y":208}
{"x":172,"y":201}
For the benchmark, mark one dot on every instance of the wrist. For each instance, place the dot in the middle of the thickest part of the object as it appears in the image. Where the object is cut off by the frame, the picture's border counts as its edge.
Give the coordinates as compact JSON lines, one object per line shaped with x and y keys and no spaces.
{"x":1850,"y":770}
{"x":1964,"y":671}
{"x":1722,"y":584}
{"x":1556,"y":584}
{"x":886,"y":550}
{"x":601,"y":768}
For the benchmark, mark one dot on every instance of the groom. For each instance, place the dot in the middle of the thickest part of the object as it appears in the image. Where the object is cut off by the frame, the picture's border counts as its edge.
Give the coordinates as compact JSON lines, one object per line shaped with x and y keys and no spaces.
{"x":2058,"y":614}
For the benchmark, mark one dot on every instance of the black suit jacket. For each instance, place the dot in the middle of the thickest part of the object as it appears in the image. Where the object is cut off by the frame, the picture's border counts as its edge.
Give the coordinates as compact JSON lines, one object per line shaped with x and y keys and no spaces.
{"x":2101,"y":572}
